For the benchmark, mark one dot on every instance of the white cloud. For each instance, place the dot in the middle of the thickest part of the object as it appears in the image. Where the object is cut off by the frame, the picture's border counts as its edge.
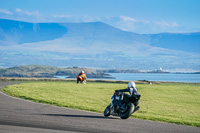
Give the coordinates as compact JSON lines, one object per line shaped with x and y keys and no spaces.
{"x":21,"y":15}
{"x":26,"y":12}
{"x":19,"y":11}
{"x":124,"y":18}
{"x":167,"y":24}
{"x":141,"y":26}
{"x":87,"y":18}
{"x":60,"y":16}
{"x":70,"y":18}
{"x":4,"y":11}
{"x":127,"y":23}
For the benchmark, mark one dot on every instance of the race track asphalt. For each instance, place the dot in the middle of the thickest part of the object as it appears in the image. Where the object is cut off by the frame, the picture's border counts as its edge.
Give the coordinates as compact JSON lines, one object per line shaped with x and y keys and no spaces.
{"x":20,"y":116}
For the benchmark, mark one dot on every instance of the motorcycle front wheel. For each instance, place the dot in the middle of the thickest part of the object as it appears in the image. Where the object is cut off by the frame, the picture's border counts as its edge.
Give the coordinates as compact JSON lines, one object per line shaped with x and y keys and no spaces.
{"x":129,"y":110}
{"x":107,"y":111}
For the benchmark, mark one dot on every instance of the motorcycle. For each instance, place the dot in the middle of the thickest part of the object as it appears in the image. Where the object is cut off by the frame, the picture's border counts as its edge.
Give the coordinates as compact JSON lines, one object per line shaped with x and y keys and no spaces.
{"x":80,"y":80}
{"x":123,"y":105}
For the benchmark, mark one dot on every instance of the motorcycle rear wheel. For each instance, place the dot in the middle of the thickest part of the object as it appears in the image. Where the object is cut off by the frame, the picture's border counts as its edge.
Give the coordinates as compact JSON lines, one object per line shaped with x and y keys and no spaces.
{"x":128,"y":112}
{"x":107,"y":111}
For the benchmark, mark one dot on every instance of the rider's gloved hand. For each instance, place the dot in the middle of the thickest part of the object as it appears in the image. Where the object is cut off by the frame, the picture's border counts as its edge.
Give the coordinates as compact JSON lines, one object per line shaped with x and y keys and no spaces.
{"x":117,"y":92}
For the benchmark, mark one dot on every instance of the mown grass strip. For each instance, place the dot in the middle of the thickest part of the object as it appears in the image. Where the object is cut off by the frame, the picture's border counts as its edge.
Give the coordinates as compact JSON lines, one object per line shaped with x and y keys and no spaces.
{"x":167,"y":102}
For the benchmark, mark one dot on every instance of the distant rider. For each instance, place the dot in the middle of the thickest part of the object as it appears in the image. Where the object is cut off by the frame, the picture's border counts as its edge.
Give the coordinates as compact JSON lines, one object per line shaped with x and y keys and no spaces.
{"x":132,"y":92}
{"x":81,"y":78}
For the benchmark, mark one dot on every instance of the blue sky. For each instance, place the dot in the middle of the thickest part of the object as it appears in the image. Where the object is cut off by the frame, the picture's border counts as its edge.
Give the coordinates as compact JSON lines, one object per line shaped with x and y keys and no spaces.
{"x":140,"y":16}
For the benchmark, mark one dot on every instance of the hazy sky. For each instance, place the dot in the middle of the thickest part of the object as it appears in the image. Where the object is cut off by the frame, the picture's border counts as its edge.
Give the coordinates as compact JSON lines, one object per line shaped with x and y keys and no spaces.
{"x":140,"y":16}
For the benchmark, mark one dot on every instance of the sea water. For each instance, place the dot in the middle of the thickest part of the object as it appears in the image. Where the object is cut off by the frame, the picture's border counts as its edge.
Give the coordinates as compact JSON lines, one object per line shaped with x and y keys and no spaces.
{"x":190,"y":78}
{"x":169,"y":77}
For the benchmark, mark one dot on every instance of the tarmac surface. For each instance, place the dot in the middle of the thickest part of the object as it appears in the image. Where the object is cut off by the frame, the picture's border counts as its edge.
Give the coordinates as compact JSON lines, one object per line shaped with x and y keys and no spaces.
{"x":21,"y":116}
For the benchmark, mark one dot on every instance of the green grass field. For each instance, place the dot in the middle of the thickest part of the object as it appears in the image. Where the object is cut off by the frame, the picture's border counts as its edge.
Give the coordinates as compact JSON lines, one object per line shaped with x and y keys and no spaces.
{"x":167,"y":102}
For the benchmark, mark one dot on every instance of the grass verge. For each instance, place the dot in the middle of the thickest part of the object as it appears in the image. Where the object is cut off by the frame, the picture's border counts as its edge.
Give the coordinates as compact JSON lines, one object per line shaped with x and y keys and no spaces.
{"x":167,"y":102}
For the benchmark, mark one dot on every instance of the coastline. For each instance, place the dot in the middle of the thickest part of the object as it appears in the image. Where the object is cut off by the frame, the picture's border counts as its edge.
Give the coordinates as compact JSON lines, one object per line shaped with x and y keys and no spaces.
{"x":7,"y":79}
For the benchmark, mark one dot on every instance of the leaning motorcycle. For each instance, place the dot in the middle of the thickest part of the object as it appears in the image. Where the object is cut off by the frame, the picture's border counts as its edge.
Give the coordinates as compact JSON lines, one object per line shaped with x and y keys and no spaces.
{"x":123,"y":105}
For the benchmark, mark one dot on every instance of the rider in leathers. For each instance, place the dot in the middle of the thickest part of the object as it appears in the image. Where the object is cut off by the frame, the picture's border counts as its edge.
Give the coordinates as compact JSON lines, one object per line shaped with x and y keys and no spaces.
{"x":132,"y":92}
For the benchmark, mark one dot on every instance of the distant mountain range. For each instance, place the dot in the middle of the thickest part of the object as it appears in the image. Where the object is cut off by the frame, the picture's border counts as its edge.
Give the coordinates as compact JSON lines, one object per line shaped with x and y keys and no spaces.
{"x":95,"y":45}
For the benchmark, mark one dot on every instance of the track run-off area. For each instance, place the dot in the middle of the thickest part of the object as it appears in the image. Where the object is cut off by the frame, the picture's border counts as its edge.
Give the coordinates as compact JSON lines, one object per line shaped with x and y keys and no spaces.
{"x":21,"y":116}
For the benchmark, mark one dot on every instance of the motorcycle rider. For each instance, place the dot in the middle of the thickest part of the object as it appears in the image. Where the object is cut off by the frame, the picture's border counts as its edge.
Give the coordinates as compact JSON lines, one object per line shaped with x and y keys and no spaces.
{"x":132,"y":92}
{"x":81,"y":77}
